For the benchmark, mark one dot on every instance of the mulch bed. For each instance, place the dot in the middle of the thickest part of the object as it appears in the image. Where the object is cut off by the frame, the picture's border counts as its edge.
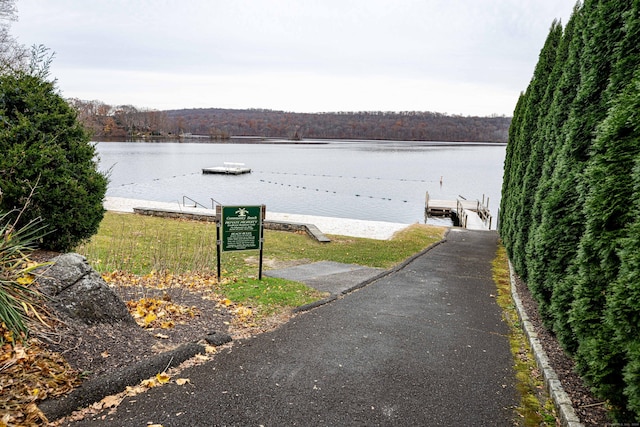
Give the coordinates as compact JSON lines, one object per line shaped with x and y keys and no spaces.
{"x":96,"y":349}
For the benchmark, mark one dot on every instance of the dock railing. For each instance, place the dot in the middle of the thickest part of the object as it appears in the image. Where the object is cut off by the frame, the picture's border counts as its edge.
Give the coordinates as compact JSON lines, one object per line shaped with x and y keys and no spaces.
{"x":459,"y":209}
{"x":461,"y":214}
{"x":483,"y":211}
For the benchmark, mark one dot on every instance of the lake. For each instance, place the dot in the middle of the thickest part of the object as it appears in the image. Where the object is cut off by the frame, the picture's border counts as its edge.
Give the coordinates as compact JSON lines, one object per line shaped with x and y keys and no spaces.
{"x":370,"y":180}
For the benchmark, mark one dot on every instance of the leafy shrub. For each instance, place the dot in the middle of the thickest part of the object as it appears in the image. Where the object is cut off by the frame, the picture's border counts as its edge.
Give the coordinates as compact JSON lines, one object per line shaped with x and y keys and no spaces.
{"x":43,"y":145}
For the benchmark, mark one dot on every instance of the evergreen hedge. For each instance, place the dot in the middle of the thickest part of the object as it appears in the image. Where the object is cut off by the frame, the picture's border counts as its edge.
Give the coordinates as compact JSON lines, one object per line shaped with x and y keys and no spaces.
{"x":571,"y":195}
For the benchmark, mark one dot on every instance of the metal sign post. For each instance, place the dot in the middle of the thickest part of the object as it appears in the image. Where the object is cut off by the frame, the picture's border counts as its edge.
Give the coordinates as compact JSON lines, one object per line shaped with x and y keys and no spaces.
{"x":240,"y":228}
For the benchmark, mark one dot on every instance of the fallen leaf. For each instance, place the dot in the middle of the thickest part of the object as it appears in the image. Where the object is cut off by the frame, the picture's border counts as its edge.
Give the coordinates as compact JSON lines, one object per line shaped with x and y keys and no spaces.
{"x":183,"y":381}
{"x":150,"y":383}
{"x":149,"y":318}
{"x":167,"y":325}
{"x":132,"y":391}
{"x":163,"y":378}
{"x":111,"y":401}
{"x":25,"y":280}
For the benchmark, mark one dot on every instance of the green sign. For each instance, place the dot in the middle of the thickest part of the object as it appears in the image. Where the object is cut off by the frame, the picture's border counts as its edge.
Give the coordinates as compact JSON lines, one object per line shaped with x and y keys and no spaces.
{"x":241,"y":228}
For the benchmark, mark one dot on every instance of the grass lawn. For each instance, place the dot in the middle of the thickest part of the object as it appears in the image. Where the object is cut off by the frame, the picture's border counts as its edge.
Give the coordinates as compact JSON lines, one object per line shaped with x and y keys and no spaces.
{"x":142,"y":245}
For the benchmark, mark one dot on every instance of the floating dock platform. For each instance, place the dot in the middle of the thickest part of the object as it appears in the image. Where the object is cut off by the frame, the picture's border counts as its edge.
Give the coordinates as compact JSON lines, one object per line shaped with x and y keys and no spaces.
{"x":471,"y":214}
{"x":228,"y":169}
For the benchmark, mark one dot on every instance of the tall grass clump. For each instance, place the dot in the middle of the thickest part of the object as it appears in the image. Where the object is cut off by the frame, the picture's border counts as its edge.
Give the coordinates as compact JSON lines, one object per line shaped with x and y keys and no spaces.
{"x":140,"y":245}
{"x":17,"y":298}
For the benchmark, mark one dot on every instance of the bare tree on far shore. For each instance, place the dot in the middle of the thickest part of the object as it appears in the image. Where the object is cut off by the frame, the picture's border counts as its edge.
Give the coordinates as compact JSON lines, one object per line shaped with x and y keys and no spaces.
{"x":13,"y":55}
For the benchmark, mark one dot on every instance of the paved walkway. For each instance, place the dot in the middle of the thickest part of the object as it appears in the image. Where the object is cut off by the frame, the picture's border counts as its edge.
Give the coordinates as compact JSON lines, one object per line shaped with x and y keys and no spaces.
{"x":422,"y":346}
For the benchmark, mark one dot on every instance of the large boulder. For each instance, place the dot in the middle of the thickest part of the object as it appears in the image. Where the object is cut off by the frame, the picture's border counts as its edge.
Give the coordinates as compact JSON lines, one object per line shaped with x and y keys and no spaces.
{"x":78,"y":292}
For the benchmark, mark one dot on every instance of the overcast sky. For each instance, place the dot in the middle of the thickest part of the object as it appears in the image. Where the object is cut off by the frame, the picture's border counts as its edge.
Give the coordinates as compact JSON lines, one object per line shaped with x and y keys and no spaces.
{"x":469,"y":57}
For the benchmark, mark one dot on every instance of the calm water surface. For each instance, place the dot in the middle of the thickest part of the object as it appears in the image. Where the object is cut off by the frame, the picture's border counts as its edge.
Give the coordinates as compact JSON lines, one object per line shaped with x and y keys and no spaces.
{"x":371,"y":180}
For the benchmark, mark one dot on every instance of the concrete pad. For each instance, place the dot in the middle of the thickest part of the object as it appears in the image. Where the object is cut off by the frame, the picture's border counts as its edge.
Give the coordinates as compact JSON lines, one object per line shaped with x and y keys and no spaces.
{"x":327,"y":276}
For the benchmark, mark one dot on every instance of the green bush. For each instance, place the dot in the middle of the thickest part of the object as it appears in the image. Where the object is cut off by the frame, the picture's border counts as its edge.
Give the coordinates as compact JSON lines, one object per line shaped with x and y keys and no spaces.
{"x":44,"y":147}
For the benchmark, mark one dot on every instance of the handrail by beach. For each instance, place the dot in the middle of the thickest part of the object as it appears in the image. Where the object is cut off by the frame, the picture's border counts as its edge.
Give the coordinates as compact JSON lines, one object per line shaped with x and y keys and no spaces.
{"x":195,"y":203}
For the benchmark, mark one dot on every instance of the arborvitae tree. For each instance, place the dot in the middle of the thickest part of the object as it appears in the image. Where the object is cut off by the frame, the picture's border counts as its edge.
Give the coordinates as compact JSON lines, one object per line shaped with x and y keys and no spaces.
{"x":622,"y":311}
{"x":529,"y":163}
{"x":609,"y":188}
{"x":556,"y":240}
{"x":623,"y":297}
{"x":565,"y":205}
{"x":507,"y":195}
{"x":515,"y":148}
{"x":603,"y":36}
{"x":526,"y":115}
{"x":627,"y":53}
{"x":554,"y":247}
{"x":540,"y":252}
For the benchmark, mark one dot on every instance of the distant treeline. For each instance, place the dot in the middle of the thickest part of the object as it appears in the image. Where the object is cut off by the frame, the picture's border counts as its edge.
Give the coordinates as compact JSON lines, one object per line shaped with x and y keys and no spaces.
{"x":106,"y":121}
{"x":571,"y":196}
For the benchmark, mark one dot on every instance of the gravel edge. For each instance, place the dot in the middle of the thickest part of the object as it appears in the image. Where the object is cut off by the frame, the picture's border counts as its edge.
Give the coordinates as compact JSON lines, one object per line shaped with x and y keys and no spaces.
{"x":561,"y":400}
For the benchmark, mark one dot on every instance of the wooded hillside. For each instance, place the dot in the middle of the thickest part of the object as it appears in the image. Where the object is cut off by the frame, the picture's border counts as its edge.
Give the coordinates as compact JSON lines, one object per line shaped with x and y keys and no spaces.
{"x":128,"y":122}
{"x":571,"y":195}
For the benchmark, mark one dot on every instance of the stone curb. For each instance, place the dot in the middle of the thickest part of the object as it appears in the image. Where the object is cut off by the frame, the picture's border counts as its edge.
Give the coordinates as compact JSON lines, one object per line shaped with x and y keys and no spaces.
{"x":311,"y":230}
{"x":561,"y":401}
{"x":98,"y":388}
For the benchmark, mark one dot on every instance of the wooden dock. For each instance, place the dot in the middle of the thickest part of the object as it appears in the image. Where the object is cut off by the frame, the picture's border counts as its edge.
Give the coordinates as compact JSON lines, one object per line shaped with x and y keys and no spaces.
{"x":472,"y":214}
{"x":228,"y":169}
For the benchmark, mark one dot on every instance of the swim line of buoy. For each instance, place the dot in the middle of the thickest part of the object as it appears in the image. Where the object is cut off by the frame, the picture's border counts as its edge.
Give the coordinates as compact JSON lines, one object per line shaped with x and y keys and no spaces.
{"x":350,"y":177}
{"x":302,"y":187}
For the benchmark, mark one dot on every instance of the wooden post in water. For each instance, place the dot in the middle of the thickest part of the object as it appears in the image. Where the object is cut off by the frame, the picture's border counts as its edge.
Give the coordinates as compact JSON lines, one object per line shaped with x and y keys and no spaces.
{"x":426,"y":203}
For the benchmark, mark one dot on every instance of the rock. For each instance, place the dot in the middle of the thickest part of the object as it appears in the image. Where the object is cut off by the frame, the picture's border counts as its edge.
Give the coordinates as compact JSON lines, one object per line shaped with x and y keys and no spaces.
{"x":78,"y":292}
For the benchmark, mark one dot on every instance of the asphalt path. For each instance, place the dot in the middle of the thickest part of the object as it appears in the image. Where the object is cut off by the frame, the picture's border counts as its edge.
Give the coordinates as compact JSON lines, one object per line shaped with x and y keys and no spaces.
{"x":422,"y":346}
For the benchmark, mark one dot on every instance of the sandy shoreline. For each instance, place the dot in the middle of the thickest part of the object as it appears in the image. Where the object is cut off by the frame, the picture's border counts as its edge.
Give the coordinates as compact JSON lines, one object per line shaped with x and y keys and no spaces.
{"x":380,"y":230}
